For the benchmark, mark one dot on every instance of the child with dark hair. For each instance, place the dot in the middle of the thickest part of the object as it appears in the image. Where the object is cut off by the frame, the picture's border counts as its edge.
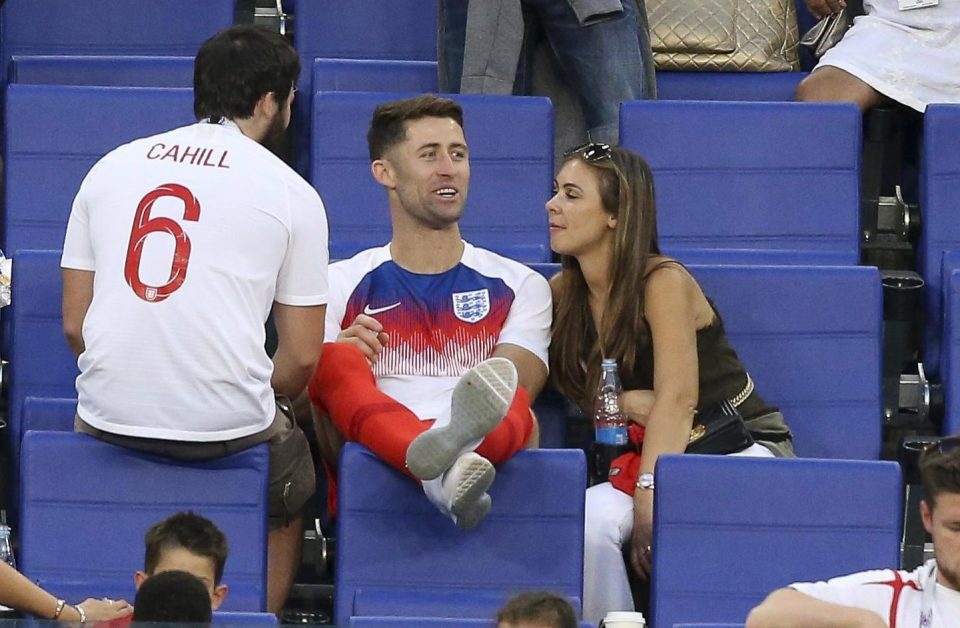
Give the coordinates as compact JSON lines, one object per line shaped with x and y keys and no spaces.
{"x":173,"y":596}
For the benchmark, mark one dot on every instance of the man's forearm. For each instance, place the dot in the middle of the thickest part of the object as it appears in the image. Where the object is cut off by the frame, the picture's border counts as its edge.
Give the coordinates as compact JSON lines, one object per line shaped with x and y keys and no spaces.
{"x":787,"y":608}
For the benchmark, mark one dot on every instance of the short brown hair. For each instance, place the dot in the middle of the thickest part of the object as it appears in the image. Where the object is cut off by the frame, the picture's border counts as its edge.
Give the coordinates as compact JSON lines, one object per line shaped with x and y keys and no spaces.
{"x":940,"y":468}
{"x":547,"y":609}
{"x":389,"y":124}
{"x":189,"y":531}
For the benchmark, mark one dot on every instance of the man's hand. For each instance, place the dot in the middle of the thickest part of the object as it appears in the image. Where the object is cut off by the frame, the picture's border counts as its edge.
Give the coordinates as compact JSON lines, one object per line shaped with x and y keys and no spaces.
{"x":823,"y":8}
{"x":366,"y":333}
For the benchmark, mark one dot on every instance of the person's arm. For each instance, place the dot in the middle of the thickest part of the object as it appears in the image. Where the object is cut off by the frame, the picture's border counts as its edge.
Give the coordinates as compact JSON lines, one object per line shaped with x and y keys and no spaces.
{"x":787,"y":608}
{"x":299,"y":342}
{"x":531,"y":371}
{"x":77,"y":295}
{"x":670,"y":312}
{"x":822,"y":8}
{"x":17,"y":592}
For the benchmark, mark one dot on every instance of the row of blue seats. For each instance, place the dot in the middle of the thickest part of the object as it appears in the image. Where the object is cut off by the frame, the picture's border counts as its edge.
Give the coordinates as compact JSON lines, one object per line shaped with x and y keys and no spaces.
{"x":728,"y":190}
{"x":795,"y":328}
{"x":398,"y":557}
{"x":360,"y":29}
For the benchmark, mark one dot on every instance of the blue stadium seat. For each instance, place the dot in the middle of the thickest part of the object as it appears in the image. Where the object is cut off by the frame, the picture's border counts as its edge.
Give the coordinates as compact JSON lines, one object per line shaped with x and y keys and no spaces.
{"x":83,"y":518}
{"x":360,"y":29}
{"x":749,"y":182}
{"x":48,"y":414}
{"x":427,"y":622}
{"x":374,"y":75}
{"x":102,"y":70}
{"x":54,"y":134}
{"x":41,"y":362}
{"x":511,"y":163}
{"x":737,"y":86}
{"x":397,"y":555}
{"x":939,"y":191}
{"x":729,"y":530}
{"x":233,"y":618}
{"x":950,"y":353}
{"x":109,"y":27}
{"x":811,"y":339}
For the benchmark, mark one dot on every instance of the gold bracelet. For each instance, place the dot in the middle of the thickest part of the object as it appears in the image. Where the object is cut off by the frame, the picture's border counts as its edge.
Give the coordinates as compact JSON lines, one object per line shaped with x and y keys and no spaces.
{"x":60,"y":605}
{"x":80,"y":611}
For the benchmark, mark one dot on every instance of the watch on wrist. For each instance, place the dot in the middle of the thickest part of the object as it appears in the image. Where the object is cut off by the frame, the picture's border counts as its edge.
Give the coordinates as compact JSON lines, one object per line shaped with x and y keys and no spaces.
{"x":645,"y":481}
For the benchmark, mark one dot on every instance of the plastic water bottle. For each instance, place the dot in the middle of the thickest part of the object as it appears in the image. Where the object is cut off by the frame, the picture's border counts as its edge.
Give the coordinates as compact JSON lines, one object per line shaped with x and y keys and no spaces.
{"x":610,"y":424}
{"x":6,"y":546}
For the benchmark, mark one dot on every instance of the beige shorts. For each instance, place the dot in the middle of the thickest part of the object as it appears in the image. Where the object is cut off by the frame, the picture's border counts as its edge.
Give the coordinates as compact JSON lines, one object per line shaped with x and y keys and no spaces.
{"x":292,"y":475}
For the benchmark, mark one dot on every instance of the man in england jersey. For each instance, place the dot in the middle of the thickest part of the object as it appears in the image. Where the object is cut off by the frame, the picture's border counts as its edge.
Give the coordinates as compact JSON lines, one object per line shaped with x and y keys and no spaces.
{"x":435,"y":348}
{"x":177,"y":248}
{"x":927,"y":597}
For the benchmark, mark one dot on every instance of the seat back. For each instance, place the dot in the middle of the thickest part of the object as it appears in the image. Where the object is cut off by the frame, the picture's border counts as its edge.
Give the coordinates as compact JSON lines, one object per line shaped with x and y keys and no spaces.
{"x":374,"y":75}
{"x":83,"y":519}
{"x":55,"y":134}
{"x":768,"y":522}
{"x":232,"y":618}
{"x":940,"y":200}
{"x":810,"y":336}
{"x":511,"y":165}
{"x":109,"y":27}
{"x":54,"y":414}
{"x":397,"y":555}
{"x":41,"y":362}
{"x":758,"y":86}
{"x":102,"y":70}
{"x":950,"y":350}
{"x":752,"y":182}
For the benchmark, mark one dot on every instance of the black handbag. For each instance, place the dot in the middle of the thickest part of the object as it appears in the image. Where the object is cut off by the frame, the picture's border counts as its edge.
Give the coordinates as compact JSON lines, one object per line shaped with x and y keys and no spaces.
{"x":719,"y":430}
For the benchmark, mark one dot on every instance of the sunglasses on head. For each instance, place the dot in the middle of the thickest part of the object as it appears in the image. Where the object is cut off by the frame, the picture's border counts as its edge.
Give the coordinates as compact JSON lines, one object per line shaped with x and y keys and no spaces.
{"x":590,"y":152}
{"x":946,"y":445}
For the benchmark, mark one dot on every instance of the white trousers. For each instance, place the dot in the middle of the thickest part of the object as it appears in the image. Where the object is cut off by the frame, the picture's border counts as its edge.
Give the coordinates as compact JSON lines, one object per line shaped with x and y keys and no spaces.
{"x":608,"y":524}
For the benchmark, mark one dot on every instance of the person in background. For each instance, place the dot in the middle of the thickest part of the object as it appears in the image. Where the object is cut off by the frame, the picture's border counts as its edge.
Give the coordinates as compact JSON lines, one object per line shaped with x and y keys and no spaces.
{"x":537,"y":609}
{"x":897,"y":51}
{"x":928,"y":596}
{"x":173,"y":596}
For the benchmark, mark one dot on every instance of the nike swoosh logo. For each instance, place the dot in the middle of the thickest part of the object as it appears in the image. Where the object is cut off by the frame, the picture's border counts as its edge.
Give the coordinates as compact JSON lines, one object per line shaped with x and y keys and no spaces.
{"x":370,"y":311}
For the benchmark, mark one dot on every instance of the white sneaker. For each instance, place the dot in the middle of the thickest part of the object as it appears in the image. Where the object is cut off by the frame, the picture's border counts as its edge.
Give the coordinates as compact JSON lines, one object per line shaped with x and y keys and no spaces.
{"x":465,"y":487}
{"x":480,"y":400}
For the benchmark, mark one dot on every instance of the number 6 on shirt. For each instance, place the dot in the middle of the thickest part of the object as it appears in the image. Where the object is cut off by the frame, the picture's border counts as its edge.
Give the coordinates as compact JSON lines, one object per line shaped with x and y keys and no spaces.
{"x":144,"y":225}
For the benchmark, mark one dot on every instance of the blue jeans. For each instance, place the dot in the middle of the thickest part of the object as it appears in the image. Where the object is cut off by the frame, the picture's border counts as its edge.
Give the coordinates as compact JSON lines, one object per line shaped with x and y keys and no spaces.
{"x":604,"y":63}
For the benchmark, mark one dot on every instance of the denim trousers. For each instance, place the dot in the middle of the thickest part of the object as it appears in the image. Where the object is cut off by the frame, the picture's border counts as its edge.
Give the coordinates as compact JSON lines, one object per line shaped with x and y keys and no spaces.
{"x":605,"y":62}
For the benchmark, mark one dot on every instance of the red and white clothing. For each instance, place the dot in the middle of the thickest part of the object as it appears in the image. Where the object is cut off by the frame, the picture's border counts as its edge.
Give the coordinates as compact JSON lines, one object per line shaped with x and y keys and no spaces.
{"x":896,"y":596}
{"x":440,"y":325}
{"x":192,"y":235}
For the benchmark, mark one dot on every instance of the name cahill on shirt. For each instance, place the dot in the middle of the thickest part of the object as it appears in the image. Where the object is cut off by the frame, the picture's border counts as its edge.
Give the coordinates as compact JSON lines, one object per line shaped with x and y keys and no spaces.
{"x":196,"y":156}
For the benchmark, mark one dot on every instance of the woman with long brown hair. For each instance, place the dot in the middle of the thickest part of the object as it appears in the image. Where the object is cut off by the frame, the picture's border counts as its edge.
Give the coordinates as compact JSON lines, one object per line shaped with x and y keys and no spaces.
{"x":618,"y":297}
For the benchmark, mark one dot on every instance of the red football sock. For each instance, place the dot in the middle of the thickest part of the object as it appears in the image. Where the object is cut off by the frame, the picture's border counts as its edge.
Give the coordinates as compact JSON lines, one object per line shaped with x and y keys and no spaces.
{"x":512,"y":433}
{"x":344,"y":388}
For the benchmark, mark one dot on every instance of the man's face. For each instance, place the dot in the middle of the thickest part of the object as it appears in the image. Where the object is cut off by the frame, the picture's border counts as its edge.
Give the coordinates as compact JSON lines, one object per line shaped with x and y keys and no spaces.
{"x":943,"y":523}
{"x":431,"y":171}
{"x":181,"y":559}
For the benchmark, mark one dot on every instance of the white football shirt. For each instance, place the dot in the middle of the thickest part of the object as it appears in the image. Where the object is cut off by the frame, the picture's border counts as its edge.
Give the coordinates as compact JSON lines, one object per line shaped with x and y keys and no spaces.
{"x":440,"y":325}
{"x":192,"y":235}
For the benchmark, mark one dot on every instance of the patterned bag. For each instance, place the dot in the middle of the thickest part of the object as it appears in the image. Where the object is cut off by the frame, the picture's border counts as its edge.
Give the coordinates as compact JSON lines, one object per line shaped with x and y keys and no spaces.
{"x":724,"y":35}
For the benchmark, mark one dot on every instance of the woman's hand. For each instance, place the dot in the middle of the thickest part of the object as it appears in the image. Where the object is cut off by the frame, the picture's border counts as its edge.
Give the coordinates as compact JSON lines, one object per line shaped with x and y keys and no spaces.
{"x":641,"y":538}
{"x":104,"y":609}
{"x":636,"y":405}
{"x":823,"y":8}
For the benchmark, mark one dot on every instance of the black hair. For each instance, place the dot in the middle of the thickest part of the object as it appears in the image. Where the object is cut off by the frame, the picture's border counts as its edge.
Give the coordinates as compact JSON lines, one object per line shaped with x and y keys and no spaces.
{"x":173,"y":596}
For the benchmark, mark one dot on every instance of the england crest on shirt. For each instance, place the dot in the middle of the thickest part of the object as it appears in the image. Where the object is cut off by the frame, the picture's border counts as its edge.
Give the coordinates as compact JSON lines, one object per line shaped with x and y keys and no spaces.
{"x":471,"y":306}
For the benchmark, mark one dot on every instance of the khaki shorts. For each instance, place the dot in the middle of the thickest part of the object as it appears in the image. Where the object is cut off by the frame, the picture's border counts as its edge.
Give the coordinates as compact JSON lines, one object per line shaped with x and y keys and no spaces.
{"x":292,"y":475}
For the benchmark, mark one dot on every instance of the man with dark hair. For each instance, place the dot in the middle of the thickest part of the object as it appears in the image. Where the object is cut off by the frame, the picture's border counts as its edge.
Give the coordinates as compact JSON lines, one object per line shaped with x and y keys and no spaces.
{"x":537,"y":609}
{"x":435,"y":347}
{"x":178,"y":247}
{"x":187,"y":542}
{"x":173,"y":596}
{"x":928,"y":596}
